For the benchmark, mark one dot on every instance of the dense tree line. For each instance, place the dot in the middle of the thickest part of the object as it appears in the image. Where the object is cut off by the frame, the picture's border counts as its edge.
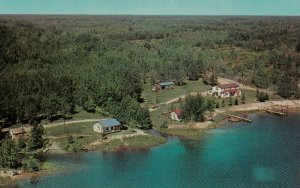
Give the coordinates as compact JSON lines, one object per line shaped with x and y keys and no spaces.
{"x":49,"y":65}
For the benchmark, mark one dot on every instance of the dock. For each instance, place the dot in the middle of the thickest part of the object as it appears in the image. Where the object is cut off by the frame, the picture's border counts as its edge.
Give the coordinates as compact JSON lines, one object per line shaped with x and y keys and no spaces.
{"x":283,"y":113}
{"x":234,"y":118}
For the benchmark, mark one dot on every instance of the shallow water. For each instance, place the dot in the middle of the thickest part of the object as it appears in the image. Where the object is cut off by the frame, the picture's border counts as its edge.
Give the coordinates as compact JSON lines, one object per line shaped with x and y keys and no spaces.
{"x":262,"y":154}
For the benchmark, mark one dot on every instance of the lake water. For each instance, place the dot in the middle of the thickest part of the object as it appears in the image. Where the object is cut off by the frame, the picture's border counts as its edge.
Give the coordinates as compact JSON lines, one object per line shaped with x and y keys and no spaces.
{"x":265,"y":153}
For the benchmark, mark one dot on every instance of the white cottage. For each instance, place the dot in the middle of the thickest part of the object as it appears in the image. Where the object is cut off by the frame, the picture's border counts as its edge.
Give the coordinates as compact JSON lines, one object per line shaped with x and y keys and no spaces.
{"x":226,"y":90}
{"x":176,"y":114}
{"x":107,"y":126}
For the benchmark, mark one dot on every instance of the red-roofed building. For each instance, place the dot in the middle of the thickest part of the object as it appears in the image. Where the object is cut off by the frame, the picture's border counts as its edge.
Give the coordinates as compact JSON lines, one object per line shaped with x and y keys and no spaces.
{"x":176,"y":114}
{"x":226,"y":90}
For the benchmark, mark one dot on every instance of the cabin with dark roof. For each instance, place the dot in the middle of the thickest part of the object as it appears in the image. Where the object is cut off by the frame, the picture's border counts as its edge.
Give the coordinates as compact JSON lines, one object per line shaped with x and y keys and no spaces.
{"x":163,"y":85}
{"x":107,"y":126}
{"x":18,"y":133}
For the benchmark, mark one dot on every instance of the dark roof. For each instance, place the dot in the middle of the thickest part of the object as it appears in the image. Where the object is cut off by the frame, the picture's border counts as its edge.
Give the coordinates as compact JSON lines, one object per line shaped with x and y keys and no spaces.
{"x":166,"y":83}
{"x":109,"y":122}
{"x":225,"y":86}
{"x":177,"y":111}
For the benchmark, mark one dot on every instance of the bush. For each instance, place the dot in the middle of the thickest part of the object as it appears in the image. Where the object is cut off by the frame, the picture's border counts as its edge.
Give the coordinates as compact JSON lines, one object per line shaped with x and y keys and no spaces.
{"x":262,"y":96}
{"x":236,"y":101}
{"x":31,"y":164}
{"x":164,"y":125}
{"x":74,"y":146}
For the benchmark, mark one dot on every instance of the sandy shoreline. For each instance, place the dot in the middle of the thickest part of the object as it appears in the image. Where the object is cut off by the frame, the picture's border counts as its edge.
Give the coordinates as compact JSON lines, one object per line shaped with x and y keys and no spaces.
{"x":290,"y":104}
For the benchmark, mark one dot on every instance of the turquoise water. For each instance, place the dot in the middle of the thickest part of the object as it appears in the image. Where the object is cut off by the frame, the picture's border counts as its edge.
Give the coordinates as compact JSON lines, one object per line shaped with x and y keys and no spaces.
{"x":265,"y":153}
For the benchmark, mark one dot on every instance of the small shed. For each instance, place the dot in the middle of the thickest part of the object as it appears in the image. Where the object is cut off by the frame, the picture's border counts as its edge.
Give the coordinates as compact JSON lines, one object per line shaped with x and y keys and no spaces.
{"x":176,"y":114}
{"x":18,"y":133}
{"x":107,"y":126}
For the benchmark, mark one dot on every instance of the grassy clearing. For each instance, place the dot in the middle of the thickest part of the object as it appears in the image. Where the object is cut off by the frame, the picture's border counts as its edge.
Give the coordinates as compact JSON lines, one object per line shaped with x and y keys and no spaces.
{"x":71,"y":129}
{"x":49,"y":166}
{"x":165,"y":95}
{"x":141,"y":141}
{"x":144,"y":141}
{"x":81,"y":132}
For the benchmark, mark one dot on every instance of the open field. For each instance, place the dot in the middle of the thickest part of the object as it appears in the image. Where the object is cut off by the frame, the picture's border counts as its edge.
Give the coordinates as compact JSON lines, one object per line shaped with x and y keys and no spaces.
{"x":168,"y":94}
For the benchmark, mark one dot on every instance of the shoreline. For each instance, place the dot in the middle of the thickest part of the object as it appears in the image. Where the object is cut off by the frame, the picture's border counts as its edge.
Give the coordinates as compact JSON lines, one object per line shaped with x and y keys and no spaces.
{"x":292,"y":106}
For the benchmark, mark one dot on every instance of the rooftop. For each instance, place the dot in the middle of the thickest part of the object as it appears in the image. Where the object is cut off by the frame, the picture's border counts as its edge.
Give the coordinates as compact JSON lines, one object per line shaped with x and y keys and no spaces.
{"x":19,"y":130}
{"x":109,"y":122}
{"x":166,"y":83}
{"x":178,"y":111}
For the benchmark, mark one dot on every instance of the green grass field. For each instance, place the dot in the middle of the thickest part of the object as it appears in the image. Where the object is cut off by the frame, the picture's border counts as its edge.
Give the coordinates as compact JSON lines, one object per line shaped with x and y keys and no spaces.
{"x":168,"y":94}
{"x":141,"y":141}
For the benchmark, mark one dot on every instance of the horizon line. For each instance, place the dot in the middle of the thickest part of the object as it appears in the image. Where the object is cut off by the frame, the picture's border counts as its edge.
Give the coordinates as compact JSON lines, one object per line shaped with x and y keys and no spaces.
{"x":75,"y":14}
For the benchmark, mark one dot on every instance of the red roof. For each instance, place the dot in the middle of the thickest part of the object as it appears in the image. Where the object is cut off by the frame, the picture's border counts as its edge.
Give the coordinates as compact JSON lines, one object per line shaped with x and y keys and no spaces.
{"x":177,"y":111}
{"x":230,"y":91}
{"x":225,"y":86}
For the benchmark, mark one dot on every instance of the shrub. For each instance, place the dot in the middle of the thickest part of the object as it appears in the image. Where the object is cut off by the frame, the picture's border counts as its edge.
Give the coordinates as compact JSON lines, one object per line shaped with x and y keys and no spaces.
{"x":31,"y":164}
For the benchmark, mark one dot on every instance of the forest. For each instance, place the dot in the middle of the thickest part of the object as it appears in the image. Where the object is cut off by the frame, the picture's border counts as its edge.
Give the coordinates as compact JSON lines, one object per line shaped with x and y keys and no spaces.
{"x":49,"y":65}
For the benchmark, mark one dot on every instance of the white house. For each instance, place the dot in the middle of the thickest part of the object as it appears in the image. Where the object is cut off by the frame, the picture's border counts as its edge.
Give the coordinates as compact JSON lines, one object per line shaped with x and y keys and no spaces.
{"x":107,"y":126}
{"x":226,"y":90}
{"x":176,"y":114}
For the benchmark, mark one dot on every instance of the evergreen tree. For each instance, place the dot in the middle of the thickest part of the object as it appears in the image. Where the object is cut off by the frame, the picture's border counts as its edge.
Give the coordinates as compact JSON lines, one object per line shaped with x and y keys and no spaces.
{"x":223,"y":103}
{"x":194,"y":108}
{"x":217,"y":105}
{"x":236,"y":101}
{"x":8,"y":154}
{"x":267,"y":96}
{"x":243,"y":98}
{"x":286,"y":86}
{"x":230,"y":103}
{"x":36,"y":140}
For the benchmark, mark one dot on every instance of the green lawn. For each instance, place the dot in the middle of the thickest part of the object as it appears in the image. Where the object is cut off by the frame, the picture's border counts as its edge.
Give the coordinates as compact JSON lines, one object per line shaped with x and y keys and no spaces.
{"x":165,"y":95}
{"x":141,"y":141}
{"x":71,"y":129}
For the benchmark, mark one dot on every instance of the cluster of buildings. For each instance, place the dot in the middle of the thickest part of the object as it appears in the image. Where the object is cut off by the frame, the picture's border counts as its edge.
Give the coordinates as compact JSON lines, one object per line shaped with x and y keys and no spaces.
{"x":225,"y":90}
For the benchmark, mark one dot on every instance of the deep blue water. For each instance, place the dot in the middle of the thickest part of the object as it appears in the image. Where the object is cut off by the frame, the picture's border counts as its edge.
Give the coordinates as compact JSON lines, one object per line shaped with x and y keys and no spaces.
{"x":265,"y":153}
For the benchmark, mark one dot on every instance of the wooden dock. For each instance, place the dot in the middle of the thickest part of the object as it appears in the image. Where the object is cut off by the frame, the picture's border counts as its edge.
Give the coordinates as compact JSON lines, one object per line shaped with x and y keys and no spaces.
{"x":234,"y":118}
{"x":283,"y":113}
